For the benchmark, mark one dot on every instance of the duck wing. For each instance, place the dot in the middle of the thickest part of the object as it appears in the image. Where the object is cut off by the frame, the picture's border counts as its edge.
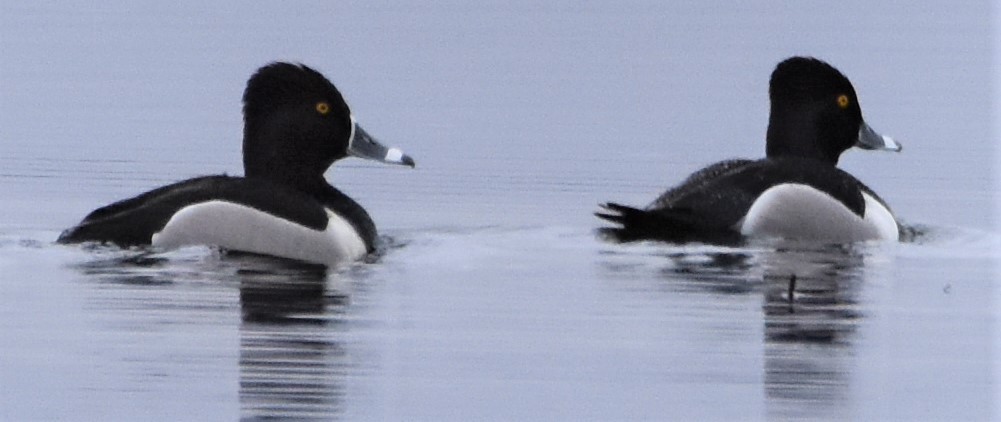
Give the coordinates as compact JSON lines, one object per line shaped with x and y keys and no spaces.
{"x":133,"y":221}
{"x":710,"y":203}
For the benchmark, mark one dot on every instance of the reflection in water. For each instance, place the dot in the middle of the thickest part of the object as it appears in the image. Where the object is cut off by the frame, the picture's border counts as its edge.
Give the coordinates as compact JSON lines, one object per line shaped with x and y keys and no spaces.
{"x":811,"y":295}
{"x":719,"y":272}
{"x":132,"y":267}
{"x":289,"y":364}
{"x":810,"y":313}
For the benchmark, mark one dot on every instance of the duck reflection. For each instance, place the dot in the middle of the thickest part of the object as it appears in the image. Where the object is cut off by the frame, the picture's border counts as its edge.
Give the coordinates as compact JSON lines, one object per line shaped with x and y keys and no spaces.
{"x":132,"y":268}
{"x":811,"y":294}
{"x":810,"y":312}
{"x":290,"y":362}
{"x":718,"y":272}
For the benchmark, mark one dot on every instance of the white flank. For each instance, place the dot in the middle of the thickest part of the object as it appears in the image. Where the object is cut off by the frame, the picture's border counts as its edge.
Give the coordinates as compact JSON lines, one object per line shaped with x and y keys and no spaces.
{"x":798,"y":211}
{"x":881,"y":218}
{"x":237,"y":227}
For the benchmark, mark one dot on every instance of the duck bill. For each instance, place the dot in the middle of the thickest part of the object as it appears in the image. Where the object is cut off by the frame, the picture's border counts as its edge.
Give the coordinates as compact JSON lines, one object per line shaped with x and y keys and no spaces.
{"x":870,"y":139}
{"x":363,"y":145}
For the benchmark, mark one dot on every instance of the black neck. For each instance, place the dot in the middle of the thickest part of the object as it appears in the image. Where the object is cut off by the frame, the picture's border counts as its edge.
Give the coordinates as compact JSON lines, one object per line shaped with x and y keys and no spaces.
{"x":793,"y":133}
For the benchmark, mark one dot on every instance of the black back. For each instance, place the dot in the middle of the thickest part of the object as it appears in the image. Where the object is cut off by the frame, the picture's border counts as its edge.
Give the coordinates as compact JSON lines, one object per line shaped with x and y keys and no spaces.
{"x":132,"y":222}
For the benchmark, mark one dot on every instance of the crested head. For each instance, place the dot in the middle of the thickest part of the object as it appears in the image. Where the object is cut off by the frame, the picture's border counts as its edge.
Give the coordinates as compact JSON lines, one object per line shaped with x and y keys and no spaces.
{"x":296,"y":124}
{"x":280,"y":84}
{"x":807,"y":79}
{"x":815,"y":112}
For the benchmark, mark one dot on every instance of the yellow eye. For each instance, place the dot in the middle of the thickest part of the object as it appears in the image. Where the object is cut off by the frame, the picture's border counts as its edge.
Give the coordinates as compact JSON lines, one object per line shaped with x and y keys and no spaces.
{"x":843,"y":101}
{"x":322,"y":107}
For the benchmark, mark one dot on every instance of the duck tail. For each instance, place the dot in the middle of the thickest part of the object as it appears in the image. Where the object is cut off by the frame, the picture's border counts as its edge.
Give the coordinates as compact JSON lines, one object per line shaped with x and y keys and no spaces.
{"x":671,"y":225}
{"x":628,"y":219}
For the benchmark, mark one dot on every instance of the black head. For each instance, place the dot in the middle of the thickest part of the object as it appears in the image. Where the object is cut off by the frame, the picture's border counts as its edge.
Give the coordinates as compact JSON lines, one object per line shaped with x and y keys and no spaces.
{"x":815,"y":113}
{"x":296,"y":124}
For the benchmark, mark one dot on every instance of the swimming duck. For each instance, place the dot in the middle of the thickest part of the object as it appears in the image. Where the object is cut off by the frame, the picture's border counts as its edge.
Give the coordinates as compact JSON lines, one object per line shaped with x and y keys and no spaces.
{"x":796,"y":191}
{"x":296,"y":125}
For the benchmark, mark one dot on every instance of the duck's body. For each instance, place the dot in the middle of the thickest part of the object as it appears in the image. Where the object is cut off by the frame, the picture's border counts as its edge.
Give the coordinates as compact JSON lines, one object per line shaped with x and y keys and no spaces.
{"x":785,"y":197}
{"x":795,"y":192}
{"x":236,"y":213}
{"x":296,"y":126}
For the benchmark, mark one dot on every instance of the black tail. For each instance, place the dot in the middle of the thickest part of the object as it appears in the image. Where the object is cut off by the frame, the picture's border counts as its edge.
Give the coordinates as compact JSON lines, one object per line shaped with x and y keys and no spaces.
{"x":670,"y":225}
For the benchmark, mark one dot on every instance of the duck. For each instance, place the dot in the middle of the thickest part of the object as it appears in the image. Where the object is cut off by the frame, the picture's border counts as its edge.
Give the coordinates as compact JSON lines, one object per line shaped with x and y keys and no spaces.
{"x":296,"y":125}
{"x":795,"y":192}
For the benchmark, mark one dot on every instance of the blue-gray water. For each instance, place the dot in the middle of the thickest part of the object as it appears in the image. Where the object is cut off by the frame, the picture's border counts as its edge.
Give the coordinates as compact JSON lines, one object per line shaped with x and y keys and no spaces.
{"x":493,"y":298}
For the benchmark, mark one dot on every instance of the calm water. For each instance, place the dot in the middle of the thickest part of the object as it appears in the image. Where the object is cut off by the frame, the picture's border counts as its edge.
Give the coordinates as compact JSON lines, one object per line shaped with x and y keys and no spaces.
{"x":492,"y":298}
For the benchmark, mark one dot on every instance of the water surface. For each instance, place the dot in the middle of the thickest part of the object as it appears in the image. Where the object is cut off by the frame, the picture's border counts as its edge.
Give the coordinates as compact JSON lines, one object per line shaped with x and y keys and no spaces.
{"x":492,"y":298}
